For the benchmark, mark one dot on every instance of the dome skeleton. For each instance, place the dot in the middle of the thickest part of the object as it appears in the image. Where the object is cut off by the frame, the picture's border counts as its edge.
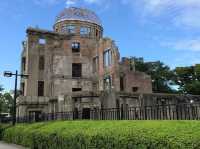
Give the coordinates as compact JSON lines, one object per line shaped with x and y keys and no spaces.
{"x":80,"y":14}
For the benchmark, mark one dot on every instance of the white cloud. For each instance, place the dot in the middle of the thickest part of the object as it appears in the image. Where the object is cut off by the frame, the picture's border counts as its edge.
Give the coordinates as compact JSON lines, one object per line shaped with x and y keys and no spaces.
{"x":186,"y":45}
{"x":101,"y":3}
{"x":80,"y":2}
{"x":46,"y":2}
{"x":92,"y":1}
{"x":70,"y":2}
{"x":182,"y":13}
{"x":189,"y":19}
{"x":185,"y":59}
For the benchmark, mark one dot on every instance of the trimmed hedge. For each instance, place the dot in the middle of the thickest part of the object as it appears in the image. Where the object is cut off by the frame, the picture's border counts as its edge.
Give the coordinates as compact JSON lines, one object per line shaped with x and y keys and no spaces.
{"x":106,"y":135}
{"x":2,"y":129}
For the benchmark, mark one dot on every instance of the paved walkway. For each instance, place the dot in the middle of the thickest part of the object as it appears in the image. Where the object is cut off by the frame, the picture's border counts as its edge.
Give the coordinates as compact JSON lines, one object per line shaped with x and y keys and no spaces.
{"x":4,"y":145}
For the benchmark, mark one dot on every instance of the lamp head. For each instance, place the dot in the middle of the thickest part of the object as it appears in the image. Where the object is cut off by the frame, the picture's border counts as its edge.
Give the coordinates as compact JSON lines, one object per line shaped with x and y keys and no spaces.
{"x":7,"y":74}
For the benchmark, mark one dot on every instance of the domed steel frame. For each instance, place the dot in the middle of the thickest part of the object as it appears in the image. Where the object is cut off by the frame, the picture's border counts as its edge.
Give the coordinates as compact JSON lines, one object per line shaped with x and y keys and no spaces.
{"x":80,"y":14}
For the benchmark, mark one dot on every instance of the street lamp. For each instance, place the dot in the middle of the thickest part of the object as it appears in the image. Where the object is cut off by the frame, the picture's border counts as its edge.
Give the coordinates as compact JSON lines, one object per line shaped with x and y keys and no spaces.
{"x":10,"y":74}
{"x":7,"y":74}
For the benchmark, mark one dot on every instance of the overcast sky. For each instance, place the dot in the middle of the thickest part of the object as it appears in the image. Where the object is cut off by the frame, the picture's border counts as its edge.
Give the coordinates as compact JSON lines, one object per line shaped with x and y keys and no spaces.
{"x":165,"y":30}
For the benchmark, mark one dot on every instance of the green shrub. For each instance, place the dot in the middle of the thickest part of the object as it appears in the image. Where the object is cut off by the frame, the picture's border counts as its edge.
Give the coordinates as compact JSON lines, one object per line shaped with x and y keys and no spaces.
{"x":2,"y":129}
{"x":107,"y":135}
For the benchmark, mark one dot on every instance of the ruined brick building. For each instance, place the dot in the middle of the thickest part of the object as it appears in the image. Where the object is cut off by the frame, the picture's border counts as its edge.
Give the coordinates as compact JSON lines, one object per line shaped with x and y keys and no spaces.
{"x":74,"y":67}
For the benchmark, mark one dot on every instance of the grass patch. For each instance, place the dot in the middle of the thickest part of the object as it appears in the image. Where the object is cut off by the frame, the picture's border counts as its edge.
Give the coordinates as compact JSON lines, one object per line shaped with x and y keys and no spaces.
{"x":106,"y":135}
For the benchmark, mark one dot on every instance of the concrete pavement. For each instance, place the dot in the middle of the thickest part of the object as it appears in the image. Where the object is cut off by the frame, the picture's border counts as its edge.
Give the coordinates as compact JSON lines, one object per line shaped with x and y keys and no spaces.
{"x":4,"y":145}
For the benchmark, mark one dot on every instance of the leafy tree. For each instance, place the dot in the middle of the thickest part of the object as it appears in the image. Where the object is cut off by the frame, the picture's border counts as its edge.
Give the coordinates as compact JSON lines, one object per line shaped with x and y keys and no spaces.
{"x":6,"y":101}
{"x":163,"y":78}
{"x":160,"y":73}
{"x":193,"y":88}
{"x":185,"y":75}
{"x":188,"y":78}
{"x":1,"y":89}
{"x":1,"y":94}
{"x":197,"y":71}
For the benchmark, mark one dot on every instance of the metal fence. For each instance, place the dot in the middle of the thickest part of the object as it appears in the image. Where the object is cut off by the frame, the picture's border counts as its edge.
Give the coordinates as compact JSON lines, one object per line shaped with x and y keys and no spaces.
{"x":157,"y":112}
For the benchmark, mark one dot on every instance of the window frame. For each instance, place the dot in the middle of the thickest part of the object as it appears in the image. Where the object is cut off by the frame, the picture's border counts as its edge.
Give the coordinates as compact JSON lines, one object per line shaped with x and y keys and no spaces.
{"x":85,"y":31}
{"x":23,"y":64}
{"x":122,"y":83}
{"x":23,"y":88}
{"x":95,"y":63}
{"x":76,"y":89}
{"x":76,"y":70}
{"x":40,"y":88}
{"x":41,"y":64}
{"x":69,"y":29}
{"x":42,"y":41}
{"x":135,"y":89}
{"x":108,"y":83}
{"x":75,"y":47}
{"x":107,"y":58}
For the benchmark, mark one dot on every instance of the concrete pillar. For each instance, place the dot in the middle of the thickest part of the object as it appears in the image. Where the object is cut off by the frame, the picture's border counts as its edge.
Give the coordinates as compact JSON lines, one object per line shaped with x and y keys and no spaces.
{"x":61,"y":106}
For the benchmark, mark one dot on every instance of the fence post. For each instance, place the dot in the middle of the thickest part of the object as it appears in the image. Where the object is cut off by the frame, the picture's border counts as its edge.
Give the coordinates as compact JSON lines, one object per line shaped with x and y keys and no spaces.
{"x":167,"y":112}
{"x":122,"y":113}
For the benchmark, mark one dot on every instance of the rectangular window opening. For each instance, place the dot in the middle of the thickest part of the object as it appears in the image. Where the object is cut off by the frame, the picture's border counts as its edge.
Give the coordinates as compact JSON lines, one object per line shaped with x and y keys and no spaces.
{"x":107,"y":83}
{"x":97,"y":33}
{"x":75,"y":47}
{"x":76,"y":89}
{"x":95,"y":64}
{"x":23,"y":64}
{"x":22,"y":88}
{"x":107,"y":58}
{"x":70,"y":29}
{"x":76,"y":70}
{"x":40,"y":88}
{"x":41,"y":63}
{"x":85,"y":31}
{"x":121,"y":83}
{"x":42,"y":41}
{"x":134,"y":89}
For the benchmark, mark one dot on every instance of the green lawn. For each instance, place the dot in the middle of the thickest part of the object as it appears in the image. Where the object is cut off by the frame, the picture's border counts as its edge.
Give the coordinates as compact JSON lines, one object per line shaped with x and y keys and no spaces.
{"x":107,"y":135}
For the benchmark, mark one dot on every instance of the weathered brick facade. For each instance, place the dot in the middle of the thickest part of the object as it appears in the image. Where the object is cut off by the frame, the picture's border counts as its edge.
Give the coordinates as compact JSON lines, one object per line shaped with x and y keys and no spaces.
{"x":74,"y":67}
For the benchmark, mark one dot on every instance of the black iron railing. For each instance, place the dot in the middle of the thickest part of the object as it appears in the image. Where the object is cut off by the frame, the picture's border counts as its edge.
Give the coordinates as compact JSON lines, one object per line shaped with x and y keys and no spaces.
{"x":157,"y":112}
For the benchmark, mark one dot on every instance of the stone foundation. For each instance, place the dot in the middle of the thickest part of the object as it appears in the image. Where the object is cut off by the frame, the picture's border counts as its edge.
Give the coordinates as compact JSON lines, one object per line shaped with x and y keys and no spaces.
{"x":83,"y":101}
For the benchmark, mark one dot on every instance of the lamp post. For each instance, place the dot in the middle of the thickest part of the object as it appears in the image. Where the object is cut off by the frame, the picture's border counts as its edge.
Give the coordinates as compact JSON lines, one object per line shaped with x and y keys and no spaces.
{"x":10,"y":74}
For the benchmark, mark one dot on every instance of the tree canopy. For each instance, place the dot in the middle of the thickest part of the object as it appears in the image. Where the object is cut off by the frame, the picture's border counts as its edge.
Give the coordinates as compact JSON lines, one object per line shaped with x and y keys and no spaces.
{"x":6,"y":101}
{"x":188,"y":78}
{"x":160,"y":73}
{"x":163,"y":78}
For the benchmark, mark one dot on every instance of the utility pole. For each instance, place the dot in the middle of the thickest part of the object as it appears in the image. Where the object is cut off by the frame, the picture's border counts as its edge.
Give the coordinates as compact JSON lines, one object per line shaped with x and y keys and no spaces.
{"x":10,"y":74}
